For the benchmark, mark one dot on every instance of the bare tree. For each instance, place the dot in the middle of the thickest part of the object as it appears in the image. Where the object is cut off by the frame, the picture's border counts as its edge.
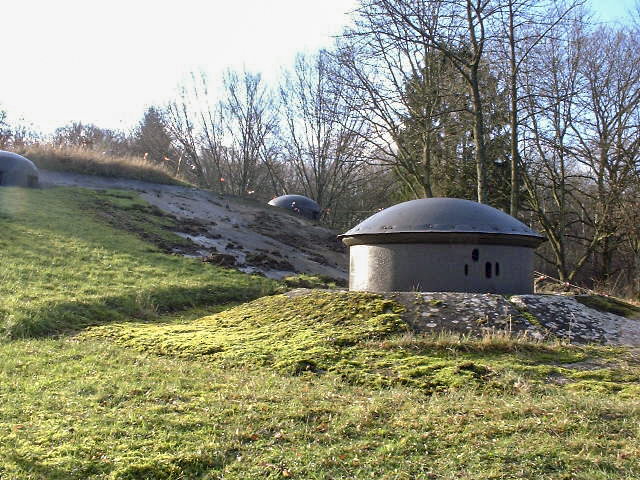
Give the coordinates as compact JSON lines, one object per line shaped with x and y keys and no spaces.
{"x":181,"y":122}
{"x":606,"y":132}
{"x":551,"y":178}
{"x":323,"y":141}
{"x":250,"y":122}
{"x":404,"y":35}
{"x":5,"y":130}
{"x":459,"y":29}
{"x":583,"y":148}
{"x":227,"y":142}
{"x":89,"y":136}
{"x":524,"y":25}
{"x":408,"y":92}
{"x":374,"y":72}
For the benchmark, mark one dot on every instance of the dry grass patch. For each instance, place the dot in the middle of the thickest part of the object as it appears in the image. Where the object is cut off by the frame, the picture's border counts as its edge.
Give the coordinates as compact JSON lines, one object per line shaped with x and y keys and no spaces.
{"x":90,"y":162}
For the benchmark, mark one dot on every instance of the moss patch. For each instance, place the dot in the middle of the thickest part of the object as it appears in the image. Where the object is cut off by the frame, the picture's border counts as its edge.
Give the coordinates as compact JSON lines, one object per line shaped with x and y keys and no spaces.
{"x":306,"y":333}
{"x":531,"y":318}
{"x":609,"y":305}
{"x":313,"y":281}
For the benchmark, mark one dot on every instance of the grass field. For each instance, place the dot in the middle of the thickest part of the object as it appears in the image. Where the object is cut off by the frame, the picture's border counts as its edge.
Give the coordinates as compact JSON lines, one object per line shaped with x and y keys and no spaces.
{"x":120,"y":361}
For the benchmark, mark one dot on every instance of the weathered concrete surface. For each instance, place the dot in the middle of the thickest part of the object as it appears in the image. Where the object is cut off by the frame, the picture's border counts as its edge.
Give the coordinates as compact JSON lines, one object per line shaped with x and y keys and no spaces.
{"x":566,"y":318}
{"x":558,"y":317}
{"x":544,"y":317}
{"x":447,"y":266}
{"x":467,"y":313}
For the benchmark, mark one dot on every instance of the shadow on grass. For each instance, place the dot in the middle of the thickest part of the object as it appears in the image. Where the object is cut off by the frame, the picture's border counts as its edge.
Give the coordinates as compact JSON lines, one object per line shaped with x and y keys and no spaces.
{"x":69,"y":317}
{"x":35,"y":469}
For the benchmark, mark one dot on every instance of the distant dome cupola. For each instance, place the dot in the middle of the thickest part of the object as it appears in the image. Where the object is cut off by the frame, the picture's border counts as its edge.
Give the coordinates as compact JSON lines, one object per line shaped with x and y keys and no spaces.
{"x":299,"y":204}
{"x":15,"y":170}
{"x":441,"y":244}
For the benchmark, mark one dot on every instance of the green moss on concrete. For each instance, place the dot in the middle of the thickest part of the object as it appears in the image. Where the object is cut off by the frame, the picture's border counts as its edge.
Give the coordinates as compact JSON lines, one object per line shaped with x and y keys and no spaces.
{"x":609,"y":305}
{"x":530,"y":317}
{"x":533,"y":320}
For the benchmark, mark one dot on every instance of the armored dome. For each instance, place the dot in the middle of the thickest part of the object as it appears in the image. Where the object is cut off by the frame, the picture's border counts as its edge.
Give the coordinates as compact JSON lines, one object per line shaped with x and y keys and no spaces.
{"x":15,"y":170}
{"x":299,"y":204}
{"x":450,"y":220}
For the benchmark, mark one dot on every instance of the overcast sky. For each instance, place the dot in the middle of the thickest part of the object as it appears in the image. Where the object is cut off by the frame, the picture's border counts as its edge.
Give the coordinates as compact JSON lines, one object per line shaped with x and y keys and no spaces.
{"x":104,"y":62}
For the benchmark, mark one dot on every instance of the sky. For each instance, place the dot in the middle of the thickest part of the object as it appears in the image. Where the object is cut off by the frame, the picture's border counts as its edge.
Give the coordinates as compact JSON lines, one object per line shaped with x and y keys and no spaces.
{"x":105,"y":62}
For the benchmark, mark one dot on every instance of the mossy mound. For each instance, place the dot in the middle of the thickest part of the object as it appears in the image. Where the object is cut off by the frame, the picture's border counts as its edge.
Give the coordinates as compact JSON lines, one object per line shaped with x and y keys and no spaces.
{"x":304,"y":333}
{"x":361,"y":338}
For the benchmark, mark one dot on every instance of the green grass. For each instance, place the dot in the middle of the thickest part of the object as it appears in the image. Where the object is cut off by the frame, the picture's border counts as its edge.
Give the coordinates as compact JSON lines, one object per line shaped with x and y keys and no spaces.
{"x":307,"y":333}
{"x":142,"y":365}
{"x":361,"y":338}
{"x":92,"y":410}
{"x":64,"y":266}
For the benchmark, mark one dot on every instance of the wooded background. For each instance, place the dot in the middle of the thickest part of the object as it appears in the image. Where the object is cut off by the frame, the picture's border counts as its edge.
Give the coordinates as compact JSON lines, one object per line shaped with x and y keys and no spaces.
{"x":529,"y":106}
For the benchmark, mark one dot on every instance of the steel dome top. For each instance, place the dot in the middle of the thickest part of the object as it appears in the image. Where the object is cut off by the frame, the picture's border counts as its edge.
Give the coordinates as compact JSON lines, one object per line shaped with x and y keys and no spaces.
{"x":300,"y":201}
{"x":442,"y":220}
{"x":13,"y":160}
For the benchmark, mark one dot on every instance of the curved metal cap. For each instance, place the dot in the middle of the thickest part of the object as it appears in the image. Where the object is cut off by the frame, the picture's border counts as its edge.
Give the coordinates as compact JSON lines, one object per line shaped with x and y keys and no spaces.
{"x":441,"y":220}
{"x":10,"y":160}
{"x":295,"y":201}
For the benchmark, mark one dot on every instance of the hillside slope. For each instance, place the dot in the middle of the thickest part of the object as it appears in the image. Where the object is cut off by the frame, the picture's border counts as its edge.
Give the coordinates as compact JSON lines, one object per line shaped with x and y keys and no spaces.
{"x":63,"y":264}
{"x":231,"y":231}
{"x":163,"y":367}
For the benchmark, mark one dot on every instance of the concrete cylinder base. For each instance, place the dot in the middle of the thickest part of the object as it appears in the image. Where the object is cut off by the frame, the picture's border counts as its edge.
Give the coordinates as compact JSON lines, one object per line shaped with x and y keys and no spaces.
{"x":441,"y":267}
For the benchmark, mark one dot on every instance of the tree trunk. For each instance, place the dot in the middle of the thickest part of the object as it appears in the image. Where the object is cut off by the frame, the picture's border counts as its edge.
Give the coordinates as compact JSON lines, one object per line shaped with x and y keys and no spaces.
{"x":478,"y":134}
{"x":514,"y":201}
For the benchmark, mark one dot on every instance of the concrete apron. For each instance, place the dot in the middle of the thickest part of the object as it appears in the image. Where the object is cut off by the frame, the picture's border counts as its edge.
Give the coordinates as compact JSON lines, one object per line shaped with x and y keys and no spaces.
{"x":551,"y":317}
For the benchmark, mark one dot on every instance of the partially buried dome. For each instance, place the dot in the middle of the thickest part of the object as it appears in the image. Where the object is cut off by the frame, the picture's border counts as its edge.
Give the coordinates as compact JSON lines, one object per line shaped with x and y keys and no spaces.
{"x":16,"y":170}
{"x":299,"y":204}
{"x":441,"y":244}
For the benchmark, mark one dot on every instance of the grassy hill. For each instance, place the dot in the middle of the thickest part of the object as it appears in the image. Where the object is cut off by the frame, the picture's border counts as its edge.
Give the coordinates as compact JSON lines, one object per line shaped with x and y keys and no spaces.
{"x":73,"y":257}
{"x":122,"y":361}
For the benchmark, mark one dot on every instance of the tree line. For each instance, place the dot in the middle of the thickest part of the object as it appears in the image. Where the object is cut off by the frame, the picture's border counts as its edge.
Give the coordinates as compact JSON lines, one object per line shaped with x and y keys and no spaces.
{"x":530,"y":106}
